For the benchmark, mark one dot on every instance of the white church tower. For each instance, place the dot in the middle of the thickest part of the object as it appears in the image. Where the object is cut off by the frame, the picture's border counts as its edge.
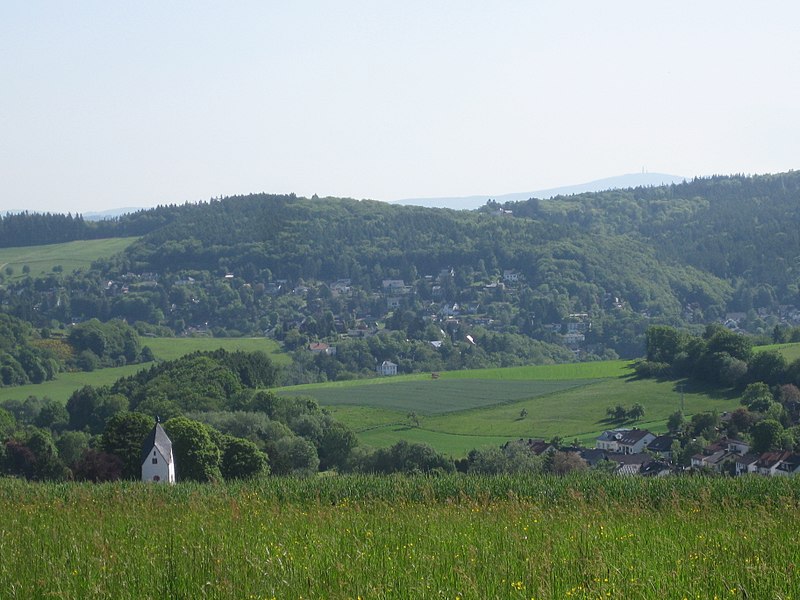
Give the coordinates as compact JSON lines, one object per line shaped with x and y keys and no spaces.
{"x":158,"y":464}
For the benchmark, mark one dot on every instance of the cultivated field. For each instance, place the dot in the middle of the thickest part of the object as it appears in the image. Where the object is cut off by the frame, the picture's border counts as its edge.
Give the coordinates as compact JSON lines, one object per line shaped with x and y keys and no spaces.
{"x":463,"y":410}
{"x":69,"y":255}
{"x":396,"y":537}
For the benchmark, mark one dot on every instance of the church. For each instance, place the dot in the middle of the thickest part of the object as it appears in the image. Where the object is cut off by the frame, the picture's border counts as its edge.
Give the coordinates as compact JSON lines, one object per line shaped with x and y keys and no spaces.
{"x":158,"y":463}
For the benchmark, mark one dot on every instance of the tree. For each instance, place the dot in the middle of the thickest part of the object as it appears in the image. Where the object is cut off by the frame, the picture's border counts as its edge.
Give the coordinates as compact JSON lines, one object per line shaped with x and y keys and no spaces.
{"x":241,"y":459}
{"x":768,"y":366}
{"x":71,"y":446}
{"x":523,"y":413}
{"x":335,"y":445}
{"x":567,"y":462}
{"x":757,"y":397}
{"x":636,"y":412}
{"x":663,"y":343}
{"x":767,"y":435}
{"x":675,"y":421}
{"x":294,"y":456}
{"x":98,"y":466}
{"x":123,"y":437}
{"x":196,"y":456}
{"x":413,"y":419}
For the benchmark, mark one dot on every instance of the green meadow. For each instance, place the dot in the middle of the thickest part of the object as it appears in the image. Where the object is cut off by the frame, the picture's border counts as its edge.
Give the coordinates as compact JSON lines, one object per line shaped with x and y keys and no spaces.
{"x":456,"y":537}
{"x":69,"y":255}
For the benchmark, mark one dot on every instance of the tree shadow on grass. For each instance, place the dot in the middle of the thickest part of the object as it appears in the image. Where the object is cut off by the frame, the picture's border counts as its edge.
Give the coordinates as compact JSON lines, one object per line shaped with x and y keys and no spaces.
{"x":691,"y":386}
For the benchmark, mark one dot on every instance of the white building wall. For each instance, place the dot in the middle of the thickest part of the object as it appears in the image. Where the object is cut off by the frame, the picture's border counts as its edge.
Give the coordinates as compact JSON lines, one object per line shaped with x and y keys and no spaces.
{"x":156,"y":465}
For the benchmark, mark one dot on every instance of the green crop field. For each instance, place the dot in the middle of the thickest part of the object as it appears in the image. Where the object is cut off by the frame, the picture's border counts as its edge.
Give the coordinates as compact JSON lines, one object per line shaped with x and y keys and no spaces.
{"x":456,"y":537}
{"x":463,"y":410}
{"x":163,"y":348}
{"x":430,"y":397}
{"x":69,"y":255}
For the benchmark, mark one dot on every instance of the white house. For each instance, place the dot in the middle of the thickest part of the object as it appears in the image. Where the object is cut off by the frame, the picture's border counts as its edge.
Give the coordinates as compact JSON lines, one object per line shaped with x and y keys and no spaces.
{"x":158,"y":463}
{"x":387,"y":368}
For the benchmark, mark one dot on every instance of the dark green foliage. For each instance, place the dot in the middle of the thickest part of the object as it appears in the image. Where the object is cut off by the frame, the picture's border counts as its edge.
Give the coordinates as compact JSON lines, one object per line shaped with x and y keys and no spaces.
{"x":767,"y":435}
{"x":72,"y":445}
{"x":241,"y":459}
{"x":202,"y":381}
{"x":123,"y":437}
{"x":89,"y":408}
{"x":197,"y":458}
{"x":108,"y":344}
{"x":406,"y":457}
{"x":293,"y":455}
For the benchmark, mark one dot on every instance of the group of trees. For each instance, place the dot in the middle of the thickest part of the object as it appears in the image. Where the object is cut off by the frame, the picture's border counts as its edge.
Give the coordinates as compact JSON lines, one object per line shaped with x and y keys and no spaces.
{"x":768,"y":384}
{"x":719,"y":357}
{"x":28,"y":355}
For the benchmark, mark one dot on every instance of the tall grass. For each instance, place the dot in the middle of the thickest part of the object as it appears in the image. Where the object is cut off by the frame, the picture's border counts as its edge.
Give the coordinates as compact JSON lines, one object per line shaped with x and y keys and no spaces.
{"x":396,"y":537}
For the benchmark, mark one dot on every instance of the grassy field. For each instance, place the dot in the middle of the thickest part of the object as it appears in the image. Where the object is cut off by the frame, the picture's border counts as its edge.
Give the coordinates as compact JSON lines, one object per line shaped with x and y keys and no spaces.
{"x":463,"y":410}
{"x":791,"y":352}
{"x":163,"y":348}
{"x":69,"y":255}
{"x":396,"y":537}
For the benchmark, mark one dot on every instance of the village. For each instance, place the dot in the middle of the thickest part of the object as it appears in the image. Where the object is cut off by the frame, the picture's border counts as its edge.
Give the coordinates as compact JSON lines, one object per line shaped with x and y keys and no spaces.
{"x":625,"y":451}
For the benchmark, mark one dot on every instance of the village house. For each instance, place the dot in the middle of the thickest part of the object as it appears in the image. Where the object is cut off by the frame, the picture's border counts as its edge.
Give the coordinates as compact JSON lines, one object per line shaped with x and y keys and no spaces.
{"x":387,"y":368}
{"x":625,"y":441}
{"x":322,"y":348}
{"x":662,"y":446}
{"x":158,"y":462}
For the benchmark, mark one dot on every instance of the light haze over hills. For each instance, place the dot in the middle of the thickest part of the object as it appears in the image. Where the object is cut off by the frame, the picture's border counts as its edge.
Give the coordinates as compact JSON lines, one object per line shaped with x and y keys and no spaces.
{"x":631,"y":180}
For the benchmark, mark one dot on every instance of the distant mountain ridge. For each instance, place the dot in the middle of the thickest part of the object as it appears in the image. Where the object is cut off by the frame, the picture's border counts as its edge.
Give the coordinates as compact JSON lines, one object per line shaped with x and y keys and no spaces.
{"x":632,"y":180}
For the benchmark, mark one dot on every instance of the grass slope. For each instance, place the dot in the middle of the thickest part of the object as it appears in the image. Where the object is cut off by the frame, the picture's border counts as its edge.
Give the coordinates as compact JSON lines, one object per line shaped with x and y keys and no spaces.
{"x":69,"y":255}
{"x":164,"y":349}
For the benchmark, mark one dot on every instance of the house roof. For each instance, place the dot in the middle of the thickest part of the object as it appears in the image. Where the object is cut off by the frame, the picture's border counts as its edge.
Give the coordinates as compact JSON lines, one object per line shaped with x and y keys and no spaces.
{"x":639,"y":458}
{"x":593,"y":455}
{"x":769,"y":459}
{"x":747,"y":459}
{"x":538,"y":446}
{"x":634,"y":436}
{"x":157,"y":439}
{"x":662,"y":443}
{"x":611,"y":435}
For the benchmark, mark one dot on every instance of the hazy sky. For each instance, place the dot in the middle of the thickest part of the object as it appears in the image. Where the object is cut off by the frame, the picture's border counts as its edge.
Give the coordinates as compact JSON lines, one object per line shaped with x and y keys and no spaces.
{"x":109,"y":104}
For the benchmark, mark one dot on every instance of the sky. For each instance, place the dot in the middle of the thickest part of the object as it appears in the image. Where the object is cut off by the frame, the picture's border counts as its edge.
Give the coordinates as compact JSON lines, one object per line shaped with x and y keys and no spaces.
{"x":108,"y":104}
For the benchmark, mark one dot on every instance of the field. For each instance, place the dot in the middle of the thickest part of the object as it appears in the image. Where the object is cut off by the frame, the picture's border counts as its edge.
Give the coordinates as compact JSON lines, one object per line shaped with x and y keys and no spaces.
{"x":463,"y":410}
{"x":397,"y":537}
{"x":163,"y":348}
{"x":69,"y":255}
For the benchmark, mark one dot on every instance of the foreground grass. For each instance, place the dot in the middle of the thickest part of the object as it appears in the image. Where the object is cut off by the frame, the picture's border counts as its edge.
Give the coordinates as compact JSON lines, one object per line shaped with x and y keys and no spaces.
{"x":371,"y":537}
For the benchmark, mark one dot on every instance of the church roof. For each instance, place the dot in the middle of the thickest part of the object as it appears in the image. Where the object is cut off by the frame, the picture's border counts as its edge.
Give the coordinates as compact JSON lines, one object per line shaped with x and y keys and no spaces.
{"x":157,"y":438}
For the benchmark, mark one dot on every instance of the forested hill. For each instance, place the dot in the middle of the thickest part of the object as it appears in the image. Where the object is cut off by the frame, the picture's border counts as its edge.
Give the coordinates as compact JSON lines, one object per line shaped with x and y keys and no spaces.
{"x":742,"y":229}
{"x":612,"y":261}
